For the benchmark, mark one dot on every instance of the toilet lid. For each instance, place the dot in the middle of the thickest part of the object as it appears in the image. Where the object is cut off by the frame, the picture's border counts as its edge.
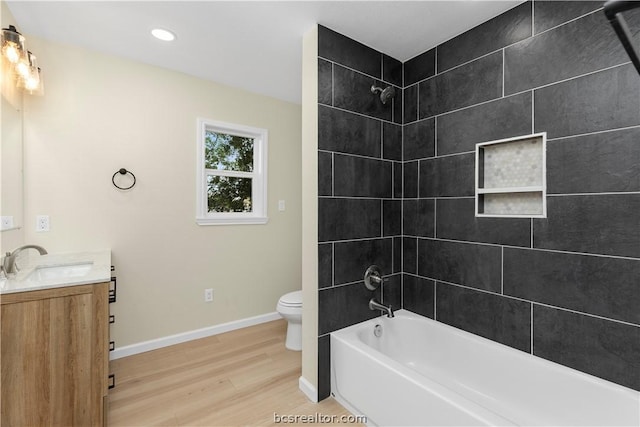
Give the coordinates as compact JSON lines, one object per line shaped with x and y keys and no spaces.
{"x":292,"y":299}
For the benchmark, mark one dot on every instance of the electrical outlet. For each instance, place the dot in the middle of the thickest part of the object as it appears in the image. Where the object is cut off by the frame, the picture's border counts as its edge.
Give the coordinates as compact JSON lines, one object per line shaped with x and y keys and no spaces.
{"x":42,"y":223}
{"x":208,"y":295}
{"x":6,"y":222}
{"x":281,"y":205}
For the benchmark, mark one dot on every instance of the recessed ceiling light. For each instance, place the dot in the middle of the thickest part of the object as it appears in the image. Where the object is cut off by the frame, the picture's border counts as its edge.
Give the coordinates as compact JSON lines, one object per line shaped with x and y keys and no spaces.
{"x":163,"y":34}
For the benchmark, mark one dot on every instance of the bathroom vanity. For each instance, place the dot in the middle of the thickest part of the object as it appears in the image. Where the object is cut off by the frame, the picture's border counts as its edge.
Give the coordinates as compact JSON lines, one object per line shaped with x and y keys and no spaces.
{"x":55,"y":341}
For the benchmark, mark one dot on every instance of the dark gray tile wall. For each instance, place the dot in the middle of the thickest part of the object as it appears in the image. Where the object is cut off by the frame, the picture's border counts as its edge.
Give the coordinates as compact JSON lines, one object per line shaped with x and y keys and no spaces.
{"x":503,"y":30}
{"x":461,"y":130}
{"x":505,"y":320}
{"x":596,"y":102}
{"x":553,"y":13}
{"x":564,"y":288}
{"x":419,"y":295}
{"x":578,"y":269}
{"x":360,"y":180}
{"x":593,"y":164}
{"x":454,"y":89}
{"x":608,"y":350}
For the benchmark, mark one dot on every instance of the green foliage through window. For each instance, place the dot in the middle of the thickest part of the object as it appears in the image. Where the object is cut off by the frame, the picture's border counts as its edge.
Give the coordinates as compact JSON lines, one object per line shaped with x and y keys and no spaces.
{"x":228,"y":194}
{"x":228,"y":152}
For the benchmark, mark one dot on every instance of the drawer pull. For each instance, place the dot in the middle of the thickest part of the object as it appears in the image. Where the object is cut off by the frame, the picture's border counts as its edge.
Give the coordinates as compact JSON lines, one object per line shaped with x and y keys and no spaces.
{"x":113,"y":291}
{"x":112,"y":345}
{"x":112,"y":318}
{"x":112,"y":381}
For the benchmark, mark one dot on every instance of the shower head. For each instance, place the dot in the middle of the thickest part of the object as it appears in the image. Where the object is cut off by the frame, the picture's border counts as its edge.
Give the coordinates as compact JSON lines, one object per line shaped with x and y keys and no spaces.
{"x":385,"y":94}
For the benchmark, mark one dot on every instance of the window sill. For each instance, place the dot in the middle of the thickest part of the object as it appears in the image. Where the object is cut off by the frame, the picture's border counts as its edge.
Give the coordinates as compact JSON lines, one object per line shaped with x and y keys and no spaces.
{"x":233,"y":221}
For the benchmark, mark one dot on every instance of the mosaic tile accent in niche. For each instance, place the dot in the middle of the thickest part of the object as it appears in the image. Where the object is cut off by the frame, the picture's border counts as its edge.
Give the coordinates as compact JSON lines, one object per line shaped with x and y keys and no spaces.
{"x":513,"y":164}
{"x":511,"y":177}
{"x":512,"y":204}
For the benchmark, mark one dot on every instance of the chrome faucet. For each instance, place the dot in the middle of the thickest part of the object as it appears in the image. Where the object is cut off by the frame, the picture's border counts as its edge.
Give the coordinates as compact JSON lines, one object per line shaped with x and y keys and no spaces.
{"x":375,"y":305}
{"x":9,"y":265}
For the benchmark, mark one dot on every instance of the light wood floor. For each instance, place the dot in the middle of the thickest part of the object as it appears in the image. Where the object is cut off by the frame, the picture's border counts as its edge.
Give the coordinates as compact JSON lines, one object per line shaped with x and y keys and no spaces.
{"x":233,"y":379}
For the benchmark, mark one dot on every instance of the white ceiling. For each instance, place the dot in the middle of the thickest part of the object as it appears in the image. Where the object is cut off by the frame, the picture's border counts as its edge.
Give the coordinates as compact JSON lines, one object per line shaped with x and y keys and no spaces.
{"x":254,"y":45}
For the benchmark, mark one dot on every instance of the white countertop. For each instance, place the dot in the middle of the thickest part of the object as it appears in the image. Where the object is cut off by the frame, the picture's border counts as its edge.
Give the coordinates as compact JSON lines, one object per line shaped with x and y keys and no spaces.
{"x":99,"y":271}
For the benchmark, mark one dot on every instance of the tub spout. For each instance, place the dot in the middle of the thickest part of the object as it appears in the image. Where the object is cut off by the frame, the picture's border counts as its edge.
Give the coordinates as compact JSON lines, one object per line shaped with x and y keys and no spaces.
{"x":375,"y":305}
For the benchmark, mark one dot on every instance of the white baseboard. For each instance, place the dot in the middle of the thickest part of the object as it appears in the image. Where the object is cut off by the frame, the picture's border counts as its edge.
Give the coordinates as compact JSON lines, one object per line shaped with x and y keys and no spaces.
{"x":141,"y":347}
{"x":308,"y":389}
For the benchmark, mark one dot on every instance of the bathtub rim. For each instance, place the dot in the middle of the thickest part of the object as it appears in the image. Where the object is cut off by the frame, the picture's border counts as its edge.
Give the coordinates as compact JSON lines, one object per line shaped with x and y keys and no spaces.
{"x":403,"y":313}
{"x":349,"y":337}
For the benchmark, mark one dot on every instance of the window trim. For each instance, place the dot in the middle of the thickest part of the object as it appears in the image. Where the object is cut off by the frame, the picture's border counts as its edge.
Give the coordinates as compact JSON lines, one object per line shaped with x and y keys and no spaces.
{"x":259,"y":175}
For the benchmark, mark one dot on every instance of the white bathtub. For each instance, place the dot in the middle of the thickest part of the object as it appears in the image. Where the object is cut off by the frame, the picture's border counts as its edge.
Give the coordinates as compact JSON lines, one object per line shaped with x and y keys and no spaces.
{"x":423,"y":373}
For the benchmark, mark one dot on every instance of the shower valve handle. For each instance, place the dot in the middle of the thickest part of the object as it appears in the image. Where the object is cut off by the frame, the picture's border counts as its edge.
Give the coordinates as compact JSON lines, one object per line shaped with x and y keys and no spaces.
{"x":373,"y":278}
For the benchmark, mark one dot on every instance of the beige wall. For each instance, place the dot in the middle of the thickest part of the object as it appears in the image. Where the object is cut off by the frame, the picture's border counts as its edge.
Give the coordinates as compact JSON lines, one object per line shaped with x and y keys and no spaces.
{"x":310,"y":206}
{"x":100,"y":113}
{"x":10,"y":149}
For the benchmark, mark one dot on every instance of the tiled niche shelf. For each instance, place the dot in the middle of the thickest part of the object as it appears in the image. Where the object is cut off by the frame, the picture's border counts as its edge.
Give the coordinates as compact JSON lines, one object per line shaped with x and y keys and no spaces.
{"x":511,"y":177}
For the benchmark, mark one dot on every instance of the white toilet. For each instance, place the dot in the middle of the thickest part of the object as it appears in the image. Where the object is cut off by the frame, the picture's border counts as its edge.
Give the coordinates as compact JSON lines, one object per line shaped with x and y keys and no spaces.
{"x":290,"y":307}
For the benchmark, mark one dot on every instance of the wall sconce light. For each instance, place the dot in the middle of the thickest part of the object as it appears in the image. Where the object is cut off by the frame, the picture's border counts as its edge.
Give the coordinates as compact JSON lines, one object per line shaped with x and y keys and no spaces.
{"x":21,"y":63}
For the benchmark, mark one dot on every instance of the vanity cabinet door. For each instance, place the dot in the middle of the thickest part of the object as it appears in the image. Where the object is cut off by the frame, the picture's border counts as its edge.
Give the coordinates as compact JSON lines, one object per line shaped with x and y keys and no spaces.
{"x":54,"y":356}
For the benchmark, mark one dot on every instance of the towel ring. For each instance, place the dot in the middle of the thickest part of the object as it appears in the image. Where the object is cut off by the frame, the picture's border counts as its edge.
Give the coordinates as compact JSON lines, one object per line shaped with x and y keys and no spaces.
{"x":123,"y":171}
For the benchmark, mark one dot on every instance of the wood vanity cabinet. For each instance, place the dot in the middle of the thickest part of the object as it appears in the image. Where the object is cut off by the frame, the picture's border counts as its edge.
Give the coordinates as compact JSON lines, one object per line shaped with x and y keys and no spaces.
{"x":55,"y":356}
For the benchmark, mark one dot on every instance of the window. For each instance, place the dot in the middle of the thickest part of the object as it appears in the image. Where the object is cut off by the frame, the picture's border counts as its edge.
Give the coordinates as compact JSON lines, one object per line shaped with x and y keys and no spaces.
{"x":232,"y":174}
{"x":511,"y":177}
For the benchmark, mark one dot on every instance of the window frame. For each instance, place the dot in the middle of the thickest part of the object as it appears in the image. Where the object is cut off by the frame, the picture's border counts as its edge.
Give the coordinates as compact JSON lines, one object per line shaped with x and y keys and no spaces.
{"x":258,"y":176}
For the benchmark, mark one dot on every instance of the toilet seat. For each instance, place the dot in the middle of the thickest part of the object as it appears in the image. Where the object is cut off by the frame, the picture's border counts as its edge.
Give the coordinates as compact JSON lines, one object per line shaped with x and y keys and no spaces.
{"x":290,"y":307}
{"x":292,"y":299}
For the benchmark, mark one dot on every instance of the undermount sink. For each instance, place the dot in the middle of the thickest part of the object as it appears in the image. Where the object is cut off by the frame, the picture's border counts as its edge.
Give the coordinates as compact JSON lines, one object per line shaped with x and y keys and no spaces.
{"x":56,"y":272}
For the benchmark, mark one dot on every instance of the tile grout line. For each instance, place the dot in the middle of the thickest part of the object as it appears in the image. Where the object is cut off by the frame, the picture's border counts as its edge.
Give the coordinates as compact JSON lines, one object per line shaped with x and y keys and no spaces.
{"x":435,"y":136}
{"x":531,"y":331}
{"x":559,"y":138}
{"x":533,"y":109}
{"x":417,"y":258}
{"x":346,"y":67}
{"x":435,"y":295}
{"x":604,"y":193}
{"x":437,"y":72}
{"x":568,"y":22}
{"x":533,"y":21}
{"x":470,"y":242}
{"x":352,"y":283}
{"x":418,"y":179}
{"x":523,"y":91}
{"x":502,"y":270}
{"x":524,"y":300}
{"x":364,"y":239}
{"x":355,"y":112}
{"x":356,"y":197}
{"x":531,"y":232}
{"x":361,"y":156}
{"x":440,"y":197}
{"x":435,"y":218}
